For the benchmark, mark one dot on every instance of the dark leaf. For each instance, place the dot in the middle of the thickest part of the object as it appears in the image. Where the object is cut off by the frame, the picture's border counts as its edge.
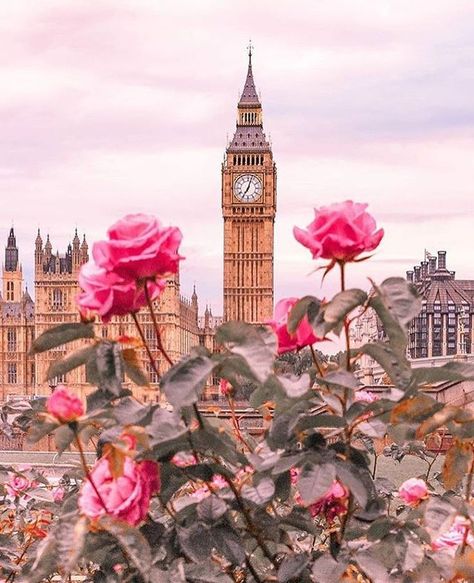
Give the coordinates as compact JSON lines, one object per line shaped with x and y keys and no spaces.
{"x":61,"y":335}
{"x":292,"y":567}
{"x":72,"y":361}
{"x":331,"y":316}
{"x":70,"y":534}
{"x":196,"y":541}
{"x":315,"y":481}
{"x":256,"y":344}
{"x":394,"y":364}
{"x":211,"y":508}
{"x":63,"y":437}
{"x":327,"y":570}
{"x":134,"y":544}
{"x":184,"y":382}
{"x":457,"y":462}
{"x":105,"y":368}
{"x":133,"y":369}
{"x":260,"y":494}
{"x":300,"y":310}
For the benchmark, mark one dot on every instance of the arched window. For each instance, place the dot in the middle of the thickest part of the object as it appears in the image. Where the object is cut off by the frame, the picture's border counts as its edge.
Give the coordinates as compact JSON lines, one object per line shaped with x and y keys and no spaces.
{"x":11,"y":339}
{"x":57,"y":299}
{"x":238,"y":160}
{"x":253,"y":160}
{"x":234,"y":159}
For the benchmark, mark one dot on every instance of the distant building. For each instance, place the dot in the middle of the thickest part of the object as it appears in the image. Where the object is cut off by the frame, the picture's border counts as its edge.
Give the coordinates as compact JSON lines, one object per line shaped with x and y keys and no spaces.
{"x":444,"y":329}
{"x":56,"y":287}
{"x":445,"y":325}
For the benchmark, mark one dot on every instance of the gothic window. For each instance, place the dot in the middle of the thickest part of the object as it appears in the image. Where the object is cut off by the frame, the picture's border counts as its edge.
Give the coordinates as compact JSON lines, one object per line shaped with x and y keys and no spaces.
{"x":10,"y":290}
{"x":234,"y":159}
{"x":239,"y":161}
{"x":253,"y":159}
{"x":152,"y":374}
{"x":32,"y":373}
{"x":104,"y":331}
{"x":150,"y":337}
{"x":11,"y":339}
{"x":57,"y":299}
{"x":12,"y":379}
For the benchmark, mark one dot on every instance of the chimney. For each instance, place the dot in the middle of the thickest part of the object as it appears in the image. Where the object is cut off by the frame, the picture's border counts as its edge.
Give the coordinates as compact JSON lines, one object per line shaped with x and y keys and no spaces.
{"x":442,"y":260}
{"x":431,"y":265}
{"x":453,"y":274}
{"x":424,"y":270}
{"x":417,"y":270}
{"x":410,"y":276}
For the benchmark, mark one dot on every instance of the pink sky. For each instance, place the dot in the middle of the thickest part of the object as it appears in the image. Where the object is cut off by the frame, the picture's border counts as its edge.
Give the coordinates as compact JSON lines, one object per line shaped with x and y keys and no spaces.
{"x":115,"y":106}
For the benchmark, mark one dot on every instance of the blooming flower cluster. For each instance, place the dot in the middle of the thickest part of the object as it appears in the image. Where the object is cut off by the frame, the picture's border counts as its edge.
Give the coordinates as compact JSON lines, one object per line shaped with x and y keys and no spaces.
{"x":126,"y":497}
{"x":64,"y":405}
{"x":131,"y":264}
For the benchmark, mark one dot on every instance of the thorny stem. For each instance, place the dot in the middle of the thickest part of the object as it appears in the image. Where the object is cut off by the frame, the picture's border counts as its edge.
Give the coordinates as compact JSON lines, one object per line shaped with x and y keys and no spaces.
{"x":236,"y":424}
{"x":85,"y":467}
{"x":316,"y":361}
{"x":145,"y":344}
{"x":374,"y":471}
{"x":342,"y":266}
{"x":431,"y":463}
{"x":253,"y":530}
{"x":12,"y":575}
{"x":155,"y":324}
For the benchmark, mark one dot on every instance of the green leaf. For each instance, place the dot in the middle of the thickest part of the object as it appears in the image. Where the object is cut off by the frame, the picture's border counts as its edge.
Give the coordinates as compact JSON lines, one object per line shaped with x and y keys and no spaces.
{"x":134,"y":544}
{"x":72,"y":361}
{"x":105,"y":368}
{"x":39,"y":430}
{"x":256,"y":344}
{"x":308,"y":304}
{"x":229,"y":544}
{"x":339,"y":378}
{"x":331,"y":316}
{"x":211,"y":508}
{"x":357,"y":480}
{"x":184,"y":382}
{"x":164,"y":426}
{"x":62,"y":334}
{"x":293,"y":386}
{"x":315,"y":481}
{"x":292,"y":567}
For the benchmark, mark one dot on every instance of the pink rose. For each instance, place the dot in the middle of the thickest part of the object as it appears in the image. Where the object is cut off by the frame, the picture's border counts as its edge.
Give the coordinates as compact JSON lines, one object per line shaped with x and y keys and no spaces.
{"x":304,"y":335}
{"x":332,"y":504}
{"x":109,"y":295}
{"x":184,"y":459}
{"x":413,"y":491}
{"x":365,"y":396}
{"x":64,"y":405}
{"x":58,"y":494}
{"x":451,"y":539}
{"x":225,"y":388}
{"x":17,"y":485}
{"x":340,"y":232}
{"x":139,"y":247}
{"x":127,"y":497}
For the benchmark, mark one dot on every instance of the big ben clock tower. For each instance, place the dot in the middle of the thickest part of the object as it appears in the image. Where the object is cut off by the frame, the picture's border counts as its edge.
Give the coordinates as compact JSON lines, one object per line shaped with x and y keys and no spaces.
{"x":248,"y":208}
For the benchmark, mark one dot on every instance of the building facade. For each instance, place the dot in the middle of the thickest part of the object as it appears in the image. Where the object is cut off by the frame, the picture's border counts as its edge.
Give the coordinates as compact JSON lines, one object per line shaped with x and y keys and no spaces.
{"x":248,"y":208}
{"x":56,"y":287}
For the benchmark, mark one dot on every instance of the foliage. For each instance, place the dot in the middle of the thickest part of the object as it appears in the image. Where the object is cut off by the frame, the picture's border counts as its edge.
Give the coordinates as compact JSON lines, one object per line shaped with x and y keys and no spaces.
{"x":301,"y":503}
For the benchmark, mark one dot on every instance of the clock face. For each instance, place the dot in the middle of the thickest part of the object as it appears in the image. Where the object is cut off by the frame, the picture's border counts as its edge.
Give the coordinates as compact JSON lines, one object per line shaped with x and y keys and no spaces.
{"x":248,"y":188}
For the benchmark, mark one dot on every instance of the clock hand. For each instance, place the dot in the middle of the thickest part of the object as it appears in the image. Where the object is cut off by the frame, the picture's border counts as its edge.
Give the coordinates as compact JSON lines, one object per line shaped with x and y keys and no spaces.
{"x":250,"y":182}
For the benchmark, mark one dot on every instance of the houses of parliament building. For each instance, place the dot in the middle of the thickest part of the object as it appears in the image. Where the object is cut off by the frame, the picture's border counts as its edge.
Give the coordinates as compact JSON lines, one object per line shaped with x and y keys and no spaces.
{"x":248,"y":210}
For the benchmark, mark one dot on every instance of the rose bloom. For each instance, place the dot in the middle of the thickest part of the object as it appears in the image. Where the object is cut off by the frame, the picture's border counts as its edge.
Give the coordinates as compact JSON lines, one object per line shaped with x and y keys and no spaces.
{"x":451,"y":539}
{"x":64,"y":405}
{"x":225,"y":388}
{"x":139,"y":247}
{"x":304,"y":335}
{"x":111,"y":295}
{"x":340,"y":232}
{"x":17,"y":485}
{"x":413,"y":491}
{"x":365,"y":396}
{"x":127,"y":497}
{"x":58,"y":494}
{"x":332,"y":504}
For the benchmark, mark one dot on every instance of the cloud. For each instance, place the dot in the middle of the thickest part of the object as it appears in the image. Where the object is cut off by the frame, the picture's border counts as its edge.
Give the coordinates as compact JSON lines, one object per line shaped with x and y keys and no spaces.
{"x":121,"y":106}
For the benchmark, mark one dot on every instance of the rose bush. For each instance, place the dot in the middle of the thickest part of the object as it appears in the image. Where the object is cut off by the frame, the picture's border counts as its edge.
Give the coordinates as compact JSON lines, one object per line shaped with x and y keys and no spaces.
{"x":181,"y":492}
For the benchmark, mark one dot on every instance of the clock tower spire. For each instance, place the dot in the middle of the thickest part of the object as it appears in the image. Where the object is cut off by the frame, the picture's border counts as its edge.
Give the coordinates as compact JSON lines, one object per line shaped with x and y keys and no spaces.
{"x":248,"y":208}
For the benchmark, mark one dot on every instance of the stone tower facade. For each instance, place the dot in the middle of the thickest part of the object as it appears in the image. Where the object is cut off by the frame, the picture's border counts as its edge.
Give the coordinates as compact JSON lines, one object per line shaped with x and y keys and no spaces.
{"x":248,"y":208}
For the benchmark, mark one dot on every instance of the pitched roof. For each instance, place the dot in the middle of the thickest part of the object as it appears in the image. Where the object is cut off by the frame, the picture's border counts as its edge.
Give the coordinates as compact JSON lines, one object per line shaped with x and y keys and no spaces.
{"x":249,"y":94}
